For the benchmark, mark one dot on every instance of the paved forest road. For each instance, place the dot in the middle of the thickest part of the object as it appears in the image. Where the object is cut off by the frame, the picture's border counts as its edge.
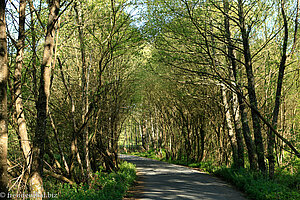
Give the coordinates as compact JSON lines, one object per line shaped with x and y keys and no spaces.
{"x":167,"y":181}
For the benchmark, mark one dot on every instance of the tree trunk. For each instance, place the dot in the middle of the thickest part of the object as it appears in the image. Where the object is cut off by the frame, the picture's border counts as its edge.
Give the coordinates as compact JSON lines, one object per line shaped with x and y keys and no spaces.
{"x":60,"y":149}
{"x":238,"y":132}
{"x":271,"y":135}
{"x":74,"y":146}
{"x":202,"y":136}
{"x":247,"y":135}
{"x":229,"y":123}
{"x":4,"y":73}
{"x":231,"y":58}
{"x":22,"y":129}
{"x":142,"y":136}
{"x":85,"y":83}
{"x":34,"y":55}
{"x":241,"y":106}
{"x":251,"y":90}
{"x":35,"y":180}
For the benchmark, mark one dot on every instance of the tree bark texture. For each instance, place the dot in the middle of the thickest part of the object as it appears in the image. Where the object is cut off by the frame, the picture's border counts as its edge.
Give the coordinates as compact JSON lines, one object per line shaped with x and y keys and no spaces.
{"x":271,"y":135}
{"x":229,"y":123}
{"x":241,"y":105}
{"x":85,"y":84}
{"x":36,"y":180}
{"x":236,"y":107}
{"x":238,"y":132}
{"x":22,"y":128}
{"x":4,"y":73}
{"x":251,"y":90}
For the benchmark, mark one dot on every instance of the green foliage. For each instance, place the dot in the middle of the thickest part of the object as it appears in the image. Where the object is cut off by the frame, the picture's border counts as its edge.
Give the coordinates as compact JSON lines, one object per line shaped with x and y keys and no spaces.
{"x":205,"y":166}
{"x":106,"y":186}
{"x":150,"y":154}
{"x":259,"y":187}
{"x":289,"y":180}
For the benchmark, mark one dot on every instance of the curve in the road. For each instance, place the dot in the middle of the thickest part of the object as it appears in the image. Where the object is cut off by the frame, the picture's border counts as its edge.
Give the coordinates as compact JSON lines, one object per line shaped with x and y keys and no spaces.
{"x":167,"y":181}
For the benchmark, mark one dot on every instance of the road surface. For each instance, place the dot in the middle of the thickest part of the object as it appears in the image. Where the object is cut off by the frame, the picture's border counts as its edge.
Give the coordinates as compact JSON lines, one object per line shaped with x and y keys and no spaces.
{"x":167,"y":181}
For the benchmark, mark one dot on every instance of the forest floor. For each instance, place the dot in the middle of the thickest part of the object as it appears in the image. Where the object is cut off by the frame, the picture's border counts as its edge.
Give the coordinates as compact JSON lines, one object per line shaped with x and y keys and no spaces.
{"x":160,"y":180}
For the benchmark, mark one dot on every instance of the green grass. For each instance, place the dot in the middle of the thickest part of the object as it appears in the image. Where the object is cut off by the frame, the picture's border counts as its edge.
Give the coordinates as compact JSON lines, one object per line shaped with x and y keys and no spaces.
{"x":284,"y":186}
{"x":104,"y":186}
{"x":260,"y":187}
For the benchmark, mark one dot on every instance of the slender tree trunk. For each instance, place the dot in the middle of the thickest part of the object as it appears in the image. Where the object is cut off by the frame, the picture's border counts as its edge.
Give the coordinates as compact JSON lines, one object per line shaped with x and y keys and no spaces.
{"x":271,"y":135}
{"x":125,"y":140}
{"x":296,"y":27}
{"x":229,"y":123}
{"x":251,"y":90}
{"x":244,"y":119}
{"x":241,"y":106}
{"x":147,"y":135}
{"x":34,"y":55}
{"x":60,"y":149}
{"x":22,"y":129}
{"x":238,"y":132}
{"x":85,"y":84}
{"x":152,"y":134}
{"x":74,"y":146}
{"x":247,"y":134}
{"x":136,"y":135}
{"x":231,"y":58}
{"x":4,"y":73}
{"x":202,"y":137}
{"x":142,"y":136}
{"x":35,"y":180}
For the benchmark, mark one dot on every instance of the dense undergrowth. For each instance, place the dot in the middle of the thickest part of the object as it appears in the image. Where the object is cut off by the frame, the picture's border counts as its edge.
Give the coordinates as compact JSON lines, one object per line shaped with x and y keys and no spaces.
{"x":104,"y":186}
{"x":284,"y":186}
{"x":259,"y":187}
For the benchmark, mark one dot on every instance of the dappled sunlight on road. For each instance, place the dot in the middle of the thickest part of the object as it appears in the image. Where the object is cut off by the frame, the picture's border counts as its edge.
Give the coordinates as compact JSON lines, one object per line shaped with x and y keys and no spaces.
{"x":168,"y":181}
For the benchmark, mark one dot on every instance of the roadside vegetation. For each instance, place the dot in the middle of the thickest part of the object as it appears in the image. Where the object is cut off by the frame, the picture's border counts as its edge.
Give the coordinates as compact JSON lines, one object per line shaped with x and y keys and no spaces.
{"x":103,"y":186}
{"x":255,"y":185}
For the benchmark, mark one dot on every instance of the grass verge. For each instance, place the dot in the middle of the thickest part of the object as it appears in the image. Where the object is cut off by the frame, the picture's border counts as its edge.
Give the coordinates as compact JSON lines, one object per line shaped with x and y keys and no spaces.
{"x":257,"y":186}
{"x":260,"y":187}
{"x":104,"y":186}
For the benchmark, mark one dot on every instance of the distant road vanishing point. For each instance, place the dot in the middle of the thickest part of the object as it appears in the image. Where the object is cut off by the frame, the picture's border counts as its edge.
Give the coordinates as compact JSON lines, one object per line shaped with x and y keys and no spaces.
{"x":167,"y":181}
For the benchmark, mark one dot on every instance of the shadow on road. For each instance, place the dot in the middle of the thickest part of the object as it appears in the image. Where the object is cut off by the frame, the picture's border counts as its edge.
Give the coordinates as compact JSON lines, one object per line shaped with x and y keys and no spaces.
{"x":167,"y":181}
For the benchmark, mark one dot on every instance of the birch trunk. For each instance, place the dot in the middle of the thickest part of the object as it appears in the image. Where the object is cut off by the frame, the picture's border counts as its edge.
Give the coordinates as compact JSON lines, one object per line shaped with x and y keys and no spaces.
{"x":229,"y":123}
{"x":240,"y":114}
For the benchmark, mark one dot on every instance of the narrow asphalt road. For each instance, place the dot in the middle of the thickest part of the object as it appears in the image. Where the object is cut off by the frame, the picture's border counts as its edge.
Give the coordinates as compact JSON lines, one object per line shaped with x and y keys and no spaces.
{"x":167,"y":181}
